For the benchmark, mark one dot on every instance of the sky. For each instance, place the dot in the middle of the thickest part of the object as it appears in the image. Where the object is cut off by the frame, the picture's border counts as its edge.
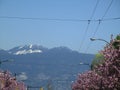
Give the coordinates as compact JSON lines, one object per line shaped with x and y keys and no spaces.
{"x":54,"y":23}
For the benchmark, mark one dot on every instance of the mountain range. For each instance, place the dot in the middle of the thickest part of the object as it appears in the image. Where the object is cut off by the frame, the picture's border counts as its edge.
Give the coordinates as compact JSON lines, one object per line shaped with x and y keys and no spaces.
{"x":39,"y":63}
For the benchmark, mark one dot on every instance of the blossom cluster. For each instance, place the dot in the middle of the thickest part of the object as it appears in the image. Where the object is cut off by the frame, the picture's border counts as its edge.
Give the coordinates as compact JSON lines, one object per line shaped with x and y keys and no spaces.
{"x":9,"y":82}
{"x":87,"y":81}
{"x":106,"y":75}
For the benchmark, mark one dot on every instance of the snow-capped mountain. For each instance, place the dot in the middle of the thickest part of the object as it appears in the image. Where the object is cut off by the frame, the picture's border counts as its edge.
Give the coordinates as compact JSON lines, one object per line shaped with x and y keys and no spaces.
{"x":27,"y":49}
{"x":40,"y":64}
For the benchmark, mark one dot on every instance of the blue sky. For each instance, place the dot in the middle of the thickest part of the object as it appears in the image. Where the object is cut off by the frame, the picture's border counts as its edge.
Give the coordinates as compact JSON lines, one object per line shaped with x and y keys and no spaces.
{"x":55,"y":33}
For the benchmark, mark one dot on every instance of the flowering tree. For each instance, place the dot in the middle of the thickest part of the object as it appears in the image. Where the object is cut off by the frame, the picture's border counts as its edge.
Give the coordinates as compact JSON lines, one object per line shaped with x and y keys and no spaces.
{"x":7,"y":82}
{"x":106,"y":75}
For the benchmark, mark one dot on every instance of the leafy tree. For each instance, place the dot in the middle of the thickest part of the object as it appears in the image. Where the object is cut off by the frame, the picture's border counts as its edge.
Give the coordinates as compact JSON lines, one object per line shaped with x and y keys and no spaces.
{"x":104,"y":76}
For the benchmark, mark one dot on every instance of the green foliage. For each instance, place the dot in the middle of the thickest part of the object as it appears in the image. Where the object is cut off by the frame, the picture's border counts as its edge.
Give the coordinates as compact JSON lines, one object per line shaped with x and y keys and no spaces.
{"x":118,"y":37}
{"x":99,"y":58}
{"x":116,"y":44}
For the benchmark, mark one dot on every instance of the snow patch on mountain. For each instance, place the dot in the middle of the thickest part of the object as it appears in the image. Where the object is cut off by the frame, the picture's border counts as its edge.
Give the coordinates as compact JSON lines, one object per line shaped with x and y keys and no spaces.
{"x":30,"y":46}
{"x":20,"y":47}
{"x":27,"y":49}
{"x":27,"y":52}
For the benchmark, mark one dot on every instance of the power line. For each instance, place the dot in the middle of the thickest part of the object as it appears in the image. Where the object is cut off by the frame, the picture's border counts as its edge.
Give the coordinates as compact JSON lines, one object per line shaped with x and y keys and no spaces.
{"x":45,"y":19}
{"x":100,"y":23}
{"x":84,"y":36}
{"x":102,"y":17}
{"x":85,"y":33}
{"x":59,"y":19}
{"x":110,"y":19}
{"x":89,"y":45}
{"x":96,"y":28}
{"x":107,"y":9}
{"x":94,"y":9}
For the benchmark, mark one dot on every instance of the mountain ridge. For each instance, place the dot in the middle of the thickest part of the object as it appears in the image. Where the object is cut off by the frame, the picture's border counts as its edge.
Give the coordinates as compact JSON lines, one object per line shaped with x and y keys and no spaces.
{"x":55,"y":63}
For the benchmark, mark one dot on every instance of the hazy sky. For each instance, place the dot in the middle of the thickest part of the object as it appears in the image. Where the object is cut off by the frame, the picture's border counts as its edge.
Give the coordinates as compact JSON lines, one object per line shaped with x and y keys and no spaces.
{"x":52,"y":23}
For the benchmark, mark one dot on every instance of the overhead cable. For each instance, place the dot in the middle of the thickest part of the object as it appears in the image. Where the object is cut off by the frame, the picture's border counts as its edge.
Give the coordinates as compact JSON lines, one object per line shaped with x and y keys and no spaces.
{"x":89,"y":44}
{"x":89,"y":21}
{"x":84,"y":35}
{"x":94,"y":9}
{"x":107,"y":9}
{"x":102,"y":19}
{"x":60,"y":19}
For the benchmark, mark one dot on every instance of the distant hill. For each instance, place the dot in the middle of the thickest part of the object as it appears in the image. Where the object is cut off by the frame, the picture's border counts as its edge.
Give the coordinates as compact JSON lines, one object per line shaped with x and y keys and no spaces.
{"x":43,"y":54}
{"x":40,"y":63}
{"x":3,"y":53}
